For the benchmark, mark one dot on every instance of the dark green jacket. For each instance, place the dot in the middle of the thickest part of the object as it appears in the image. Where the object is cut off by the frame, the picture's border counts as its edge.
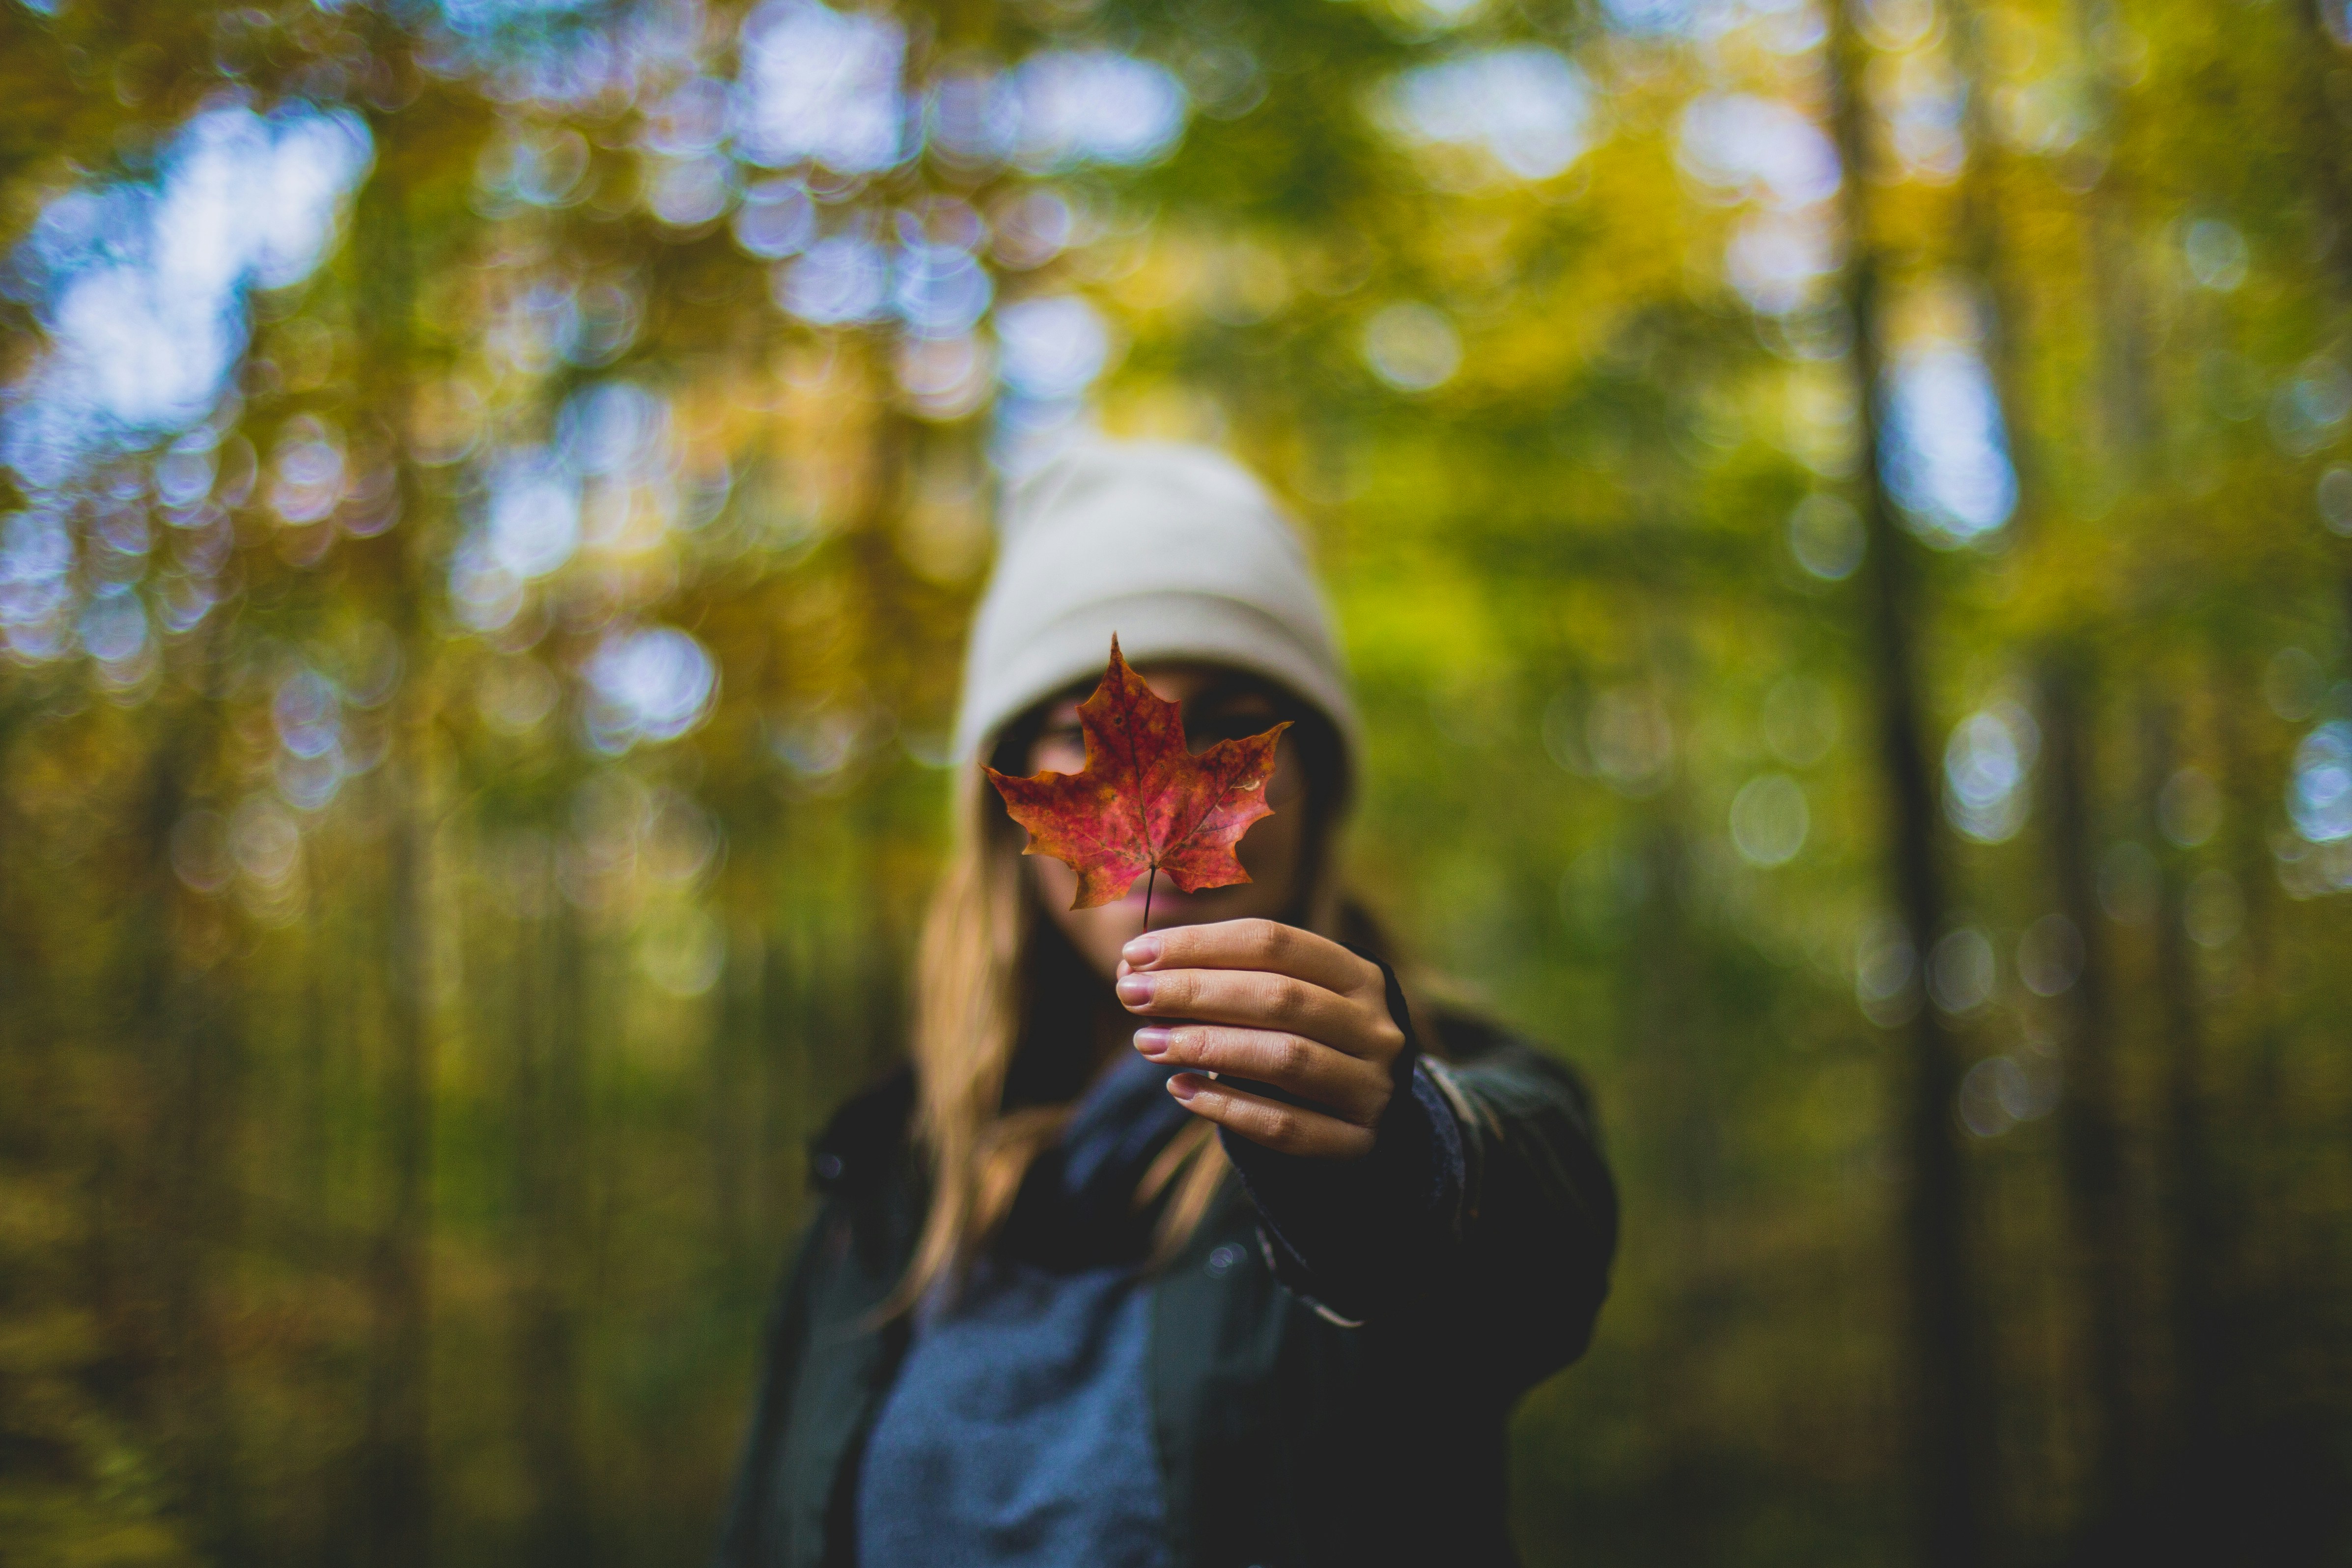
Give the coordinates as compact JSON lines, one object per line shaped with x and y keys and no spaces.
{"x":1287,"y":1438}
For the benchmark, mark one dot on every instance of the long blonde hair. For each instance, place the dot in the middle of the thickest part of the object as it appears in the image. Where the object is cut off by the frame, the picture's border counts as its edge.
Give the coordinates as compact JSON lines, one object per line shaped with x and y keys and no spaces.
{"x":972,"y":1008}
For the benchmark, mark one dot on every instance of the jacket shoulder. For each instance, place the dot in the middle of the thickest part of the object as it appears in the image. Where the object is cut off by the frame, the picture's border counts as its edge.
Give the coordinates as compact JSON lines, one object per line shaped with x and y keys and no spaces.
{"x":866,"y":1140}
{"x":1466,"y":1036}
{"x":1484,"y":1051}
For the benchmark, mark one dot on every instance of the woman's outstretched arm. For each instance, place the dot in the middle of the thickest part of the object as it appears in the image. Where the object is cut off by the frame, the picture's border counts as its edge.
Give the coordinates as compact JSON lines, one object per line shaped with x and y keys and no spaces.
{"x":1469,"y":1193}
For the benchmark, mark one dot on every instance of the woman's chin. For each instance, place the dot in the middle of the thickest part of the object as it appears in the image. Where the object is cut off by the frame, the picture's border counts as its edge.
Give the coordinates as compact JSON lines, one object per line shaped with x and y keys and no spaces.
{"x":1171,"y":908}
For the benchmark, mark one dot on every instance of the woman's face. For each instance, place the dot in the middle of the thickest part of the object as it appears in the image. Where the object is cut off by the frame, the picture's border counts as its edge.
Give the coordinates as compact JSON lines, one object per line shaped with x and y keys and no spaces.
{"x":1219,"y":705}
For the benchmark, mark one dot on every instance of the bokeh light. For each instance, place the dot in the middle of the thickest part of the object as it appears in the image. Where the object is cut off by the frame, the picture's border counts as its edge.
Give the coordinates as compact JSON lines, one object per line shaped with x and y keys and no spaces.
{"x":1526,"y":108}
{"x":1947,"y":459}
{"x":141,"y":288}
{"x":491,"y":493}
{"x":651,"y":684}
{"x":1987,"y":764}
{"x":1769,"y":820}
{"x":2319,"y":793}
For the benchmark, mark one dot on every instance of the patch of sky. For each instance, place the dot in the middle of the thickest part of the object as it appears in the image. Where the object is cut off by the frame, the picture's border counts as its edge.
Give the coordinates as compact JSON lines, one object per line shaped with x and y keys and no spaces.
{"x":1947,"y":460}
{"x":307,"y":714}
{"x":311,"y":766}
{"x":1649,"y":18}
{"x":1925,"y":115}
{"x":777,"y":218}
{"x":837,"y":282}
{"x":1073,"y":107}
{"x":1741,"y":146}
{"x":686,"y":193}
{"x":612,"y":427}
{"x":822,"y":85}
{"x":1777,"y":261}
{"x":1050,"y":350}
{"x":117,"y":632}
{"x":651,"y":683}
{"x":551,"y":319}
{"x":533,"y":526}
{"x":1786,"y":24}
{"x":2319,"y":784}
{"x":139,"y":287}
{"x":185,"y":471}
{"x":939,"y":291}
{"x":1057,"y":110}
{"x":689,"y":121}
{"x":1053,"y":347}
{"x":481,"y":18}
{"x":566,"y":54}
{"x":1527,"y":106}
{"x":607,"y":480}
{"x":1988,"y":762}
{"x":307,"y":476}
{"x":543,"y":166}
{"x":827,"y":87}
{"x":483,"y":592}
{"x":969,"y":117}
{"x":37,"y":562}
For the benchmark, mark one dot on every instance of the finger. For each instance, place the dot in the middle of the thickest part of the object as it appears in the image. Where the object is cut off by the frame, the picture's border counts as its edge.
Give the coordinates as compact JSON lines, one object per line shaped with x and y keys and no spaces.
{"x":1286,"y":1129}
{"x":1252,"y":999}
{"x":1349,"y":1086}
{"x":1267,"y":945}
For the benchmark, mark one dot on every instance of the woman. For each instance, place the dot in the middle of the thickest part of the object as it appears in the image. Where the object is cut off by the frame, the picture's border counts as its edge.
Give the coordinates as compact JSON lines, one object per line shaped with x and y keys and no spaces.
{"x":1074,"y":1295}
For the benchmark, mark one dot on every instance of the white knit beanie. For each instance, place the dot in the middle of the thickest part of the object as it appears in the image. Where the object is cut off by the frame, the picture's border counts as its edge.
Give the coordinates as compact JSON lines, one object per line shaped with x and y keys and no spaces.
{"x":1178,"y":550}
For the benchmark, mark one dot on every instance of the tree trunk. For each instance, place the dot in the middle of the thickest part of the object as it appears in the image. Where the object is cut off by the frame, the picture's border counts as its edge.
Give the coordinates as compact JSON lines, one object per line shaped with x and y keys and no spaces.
{"x":2090,"y":1136}
{"x":2196,"y":1251}
{"x":177,"y":1028}
{"x":2324,"y":141}
{"x":395,"y":1521}
{"x":397,"y":1510}
{"x":551,"y":1045}
{"x":1947,"y":1371}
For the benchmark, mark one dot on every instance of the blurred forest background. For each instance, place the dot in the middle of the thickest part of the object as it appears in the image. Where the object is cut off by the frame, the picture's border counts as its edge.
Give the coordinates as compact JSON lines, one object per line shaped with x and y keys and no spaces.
{"x":1842,"y":510}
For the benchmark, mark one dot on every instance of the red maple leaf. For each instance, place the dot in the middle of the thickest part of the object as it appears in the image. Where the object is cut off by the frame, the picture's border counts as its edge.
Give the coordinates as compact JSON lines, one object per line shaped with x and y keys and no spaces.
{"x":1143,"y":802}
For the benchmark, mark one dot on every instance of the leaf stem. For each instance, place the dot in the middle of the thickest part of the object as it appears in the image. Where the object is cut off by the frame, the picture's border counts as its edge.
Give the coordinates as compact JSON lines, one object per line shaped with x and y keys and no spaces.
{"x":1148,"y":886}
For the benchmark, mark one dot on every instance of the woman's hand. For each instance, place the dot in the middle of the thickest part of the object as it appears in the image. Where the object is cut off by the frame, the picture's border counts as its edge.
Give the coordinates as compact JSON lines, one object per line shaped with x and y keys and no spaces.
{"x":1260,"y":1000}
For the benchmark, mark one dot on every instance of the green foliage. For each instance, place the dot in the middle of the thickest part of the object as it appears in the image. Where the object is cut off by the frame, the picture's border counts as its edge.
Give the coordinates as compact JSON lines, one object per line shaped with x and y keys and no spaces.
{"x":412,"y":1149}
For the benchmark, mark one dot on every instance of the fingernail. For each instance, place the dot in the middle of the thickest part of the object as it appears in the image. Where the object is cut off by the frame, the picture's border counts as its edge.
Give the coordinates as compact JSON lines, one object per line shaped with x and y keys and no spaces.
{"x":1183,"y":1086}
{"x":1135,"y":990}
{"x":1143,"y":950}
{"x":1153,"y":1042}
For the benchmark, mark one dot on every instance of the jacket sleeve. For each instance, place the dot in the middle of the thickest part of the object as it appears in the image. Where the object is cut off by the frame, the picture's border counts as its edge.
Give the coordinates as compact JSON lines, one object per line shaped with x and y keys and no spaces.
{"x":781,"y":1503}
{"x":1486,"y":1208}
{"x":1529,"y":1258}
